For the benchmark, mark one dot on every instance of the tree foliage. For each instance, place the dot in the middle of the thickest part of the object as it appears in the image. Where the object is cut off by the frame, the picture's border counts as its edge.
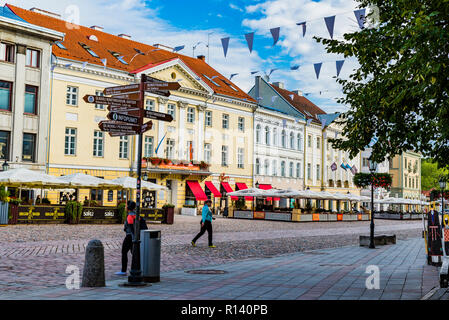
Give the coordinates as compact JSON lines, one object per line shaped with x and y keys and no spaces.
{"x":430,"y":174}
{"x":399,"y":94}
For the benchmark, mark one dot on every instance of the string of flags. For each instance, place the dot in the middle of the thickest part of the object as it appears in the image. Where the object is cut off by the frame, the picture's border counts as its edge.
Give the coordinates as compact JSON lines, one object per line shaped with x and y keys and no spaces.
{"x":345,"y":167}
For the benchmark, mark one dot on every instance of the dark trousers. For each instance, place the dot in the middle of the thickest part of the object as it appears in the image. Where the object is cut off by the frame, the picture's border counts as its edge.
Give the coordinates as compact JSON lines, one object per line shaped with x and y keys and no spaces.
{"x":126,"y":246}
{"x":207,"y":226}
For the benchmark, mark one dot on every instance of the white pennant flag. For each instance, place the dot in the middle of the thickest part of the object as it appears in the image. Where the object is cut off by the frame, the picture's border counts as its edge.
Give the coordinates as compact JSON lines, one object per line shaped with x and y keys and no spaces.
{"x":104,"y":62}
{"x":84,"y":65}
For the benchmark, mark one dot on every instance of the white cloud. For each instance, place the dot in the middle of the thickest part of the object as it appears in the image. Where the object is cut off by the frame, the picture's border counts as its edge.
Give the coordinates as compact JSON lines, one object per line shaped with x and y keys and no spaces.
{"x":235,"y":7}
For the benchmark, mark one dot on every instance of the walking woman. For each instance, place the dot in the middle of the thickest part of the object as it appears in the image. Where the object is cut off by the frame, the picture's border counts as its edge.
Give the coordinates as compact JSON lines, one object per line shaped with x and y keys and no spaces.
{"x":206,"y":224}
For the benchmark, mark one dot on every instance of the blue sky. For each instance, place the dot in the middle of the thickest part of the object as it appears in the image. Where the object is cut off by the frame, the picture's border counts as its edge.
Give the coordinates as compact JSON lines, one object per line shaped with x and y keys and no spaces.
{"x":177,"y":22}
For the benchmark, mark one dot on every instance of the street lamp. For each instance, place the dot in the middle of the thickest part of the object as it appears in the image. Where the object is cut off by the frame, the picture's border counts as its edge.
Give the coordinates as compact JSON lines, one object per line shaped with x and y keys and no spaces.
{"x":442,"y":183}
{"x":257,"y":184}
{"x":372,"y":169}
{"x":145,"y":176}
{"x":5,"y":166}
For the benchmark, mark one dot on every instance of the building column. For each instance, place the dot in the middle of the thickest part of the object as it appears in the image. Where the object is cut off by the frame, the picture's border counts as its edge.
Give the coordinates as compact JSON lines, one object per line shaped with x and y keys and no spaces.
{"x":200,"y":136}
{"x":182,"y":154}
{"x":161,"y":126}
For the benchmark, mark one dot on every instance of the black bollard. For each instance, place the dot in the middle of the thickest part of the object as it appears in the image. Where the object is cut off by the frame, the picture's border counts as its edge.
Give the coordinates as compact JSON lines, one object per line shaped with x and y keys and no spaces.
{"x":93,"y":273}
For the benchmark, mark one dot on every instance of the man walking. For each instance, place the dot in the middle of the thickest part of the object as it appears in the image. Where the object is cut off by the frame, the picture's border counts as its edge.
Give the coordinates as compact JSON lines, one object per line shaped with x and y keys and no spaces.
{"x":128,"y":241}
{"x":206,"y":224}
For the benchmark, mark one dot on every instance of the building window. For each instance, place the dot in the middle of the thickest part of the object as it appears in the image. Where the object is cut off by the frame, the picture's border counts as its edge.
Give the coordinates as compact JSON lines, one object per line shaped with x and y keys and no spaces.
{"x":70,"y":142}
{"x":267,"y":136}
{"x":32,"y":58}
{"x":207,"y":152}
{"x":299,"y":141}
{"x":292,"y":140}
{"x":149,"y":105}
{"x":365,"y":162}
{"x":170,"y":149}
{"x":241,"y":124}
{"x":309,"y":171}
{"x":4,"y":145}
{"x":98,"y":144}
{"x":275,"y":137}
{"x":29,"y":147}
{"x":72,"y":96}
{"x":208,"y":119}
{"x":171,"y":110}
{"x":225,"y":121}
{"x":298,"y":170}
{"x":100,"y":94}
{"x":224,"y":156}
{"x":258,"y":166}
{"x":240,"y":158}
{"x":317,"y":171}
{"x":148,"y":148}
{"x":190,"y":115}
{"x":258,"y":133}
{"x":5,"y":95}
{"x":284,"y":139}
{"x":291,"y":170}
{"x":274,"y":169}
{"x":318,"y":142}
{"x":283,"y":169}
{"x":123,"y":148}
{"x":267,"y":167}
{"x":7,"y":52}
{"x":309,"y":141}
{"x":30,"y":99}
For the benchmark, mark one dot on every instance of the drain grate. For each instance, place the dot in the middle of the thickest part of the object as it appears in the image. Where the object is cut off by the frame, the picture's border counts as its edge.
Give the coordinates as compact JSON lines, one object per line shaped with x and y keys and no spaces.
{"x":206,"y":271}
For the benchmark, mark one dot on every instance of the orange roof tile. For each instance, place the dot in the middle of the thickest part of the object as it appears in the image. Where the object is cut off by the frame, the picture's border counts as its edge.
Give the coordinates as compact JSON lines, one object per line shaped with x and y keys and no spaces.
{"x":124,"y":47}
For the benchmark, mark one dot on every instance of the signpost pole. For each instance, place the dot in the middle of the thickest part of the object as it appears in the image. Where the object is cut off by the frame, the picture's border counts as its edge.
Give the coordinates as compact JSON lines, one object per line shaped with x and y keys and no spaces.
{"x":135,"y":278}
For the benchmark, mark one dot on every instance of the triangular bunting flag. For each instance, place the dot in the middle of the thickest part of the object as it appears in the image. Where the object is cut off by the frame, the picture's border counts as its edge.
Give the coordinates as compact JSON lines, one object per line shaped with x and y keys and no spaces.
{"x":360,"y":16}
{"x":225,"y":44}
{"x":336,"y":135}
{"x":294,"y":67}
{"x":232,"y":76}
{"x":254,"y":72}
{"x":249,"y":40}
{"x":292,"y":96}
{"x":303,"y":27}
{"x":330,"y":21}
{"x":275,"y":33}
{"x":272,"y":70}
{"x":178,"y":48}
{"x":339,"y":64}
{"x":309,"y":121}
{"x":53,"y":67}
{"x":323,"y":123}
{"x":104,"y":62}
{"x":84,"y":65}
{"x":67,"y":65}
{"x":317,"y":67}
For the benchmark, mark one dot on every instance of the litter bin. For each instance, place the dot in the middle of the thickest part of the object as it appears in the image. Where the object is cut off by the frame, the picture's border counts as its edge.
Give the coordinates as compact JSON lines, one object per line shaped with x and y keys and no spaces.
{"x":150,"y":253}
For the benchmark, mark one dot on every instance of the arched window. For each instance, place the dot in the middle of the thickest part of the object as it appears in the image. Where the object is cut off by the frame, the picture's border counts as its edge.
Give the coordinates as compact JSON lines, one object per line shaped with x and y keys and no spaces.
{"x":267,"y":136}
{"x":298,"y":170}
{"x":258,"y":133}
{"x":257,"y":166}
{"x":292,"y":140}
{"x":275,"y":137}
{"x":284,"y":139}
{"x":267,"y":167}
{"x":283,"y":169}
{"x":291,"y":170}
{"x":299,"y":142}
{"x":275,"y":168}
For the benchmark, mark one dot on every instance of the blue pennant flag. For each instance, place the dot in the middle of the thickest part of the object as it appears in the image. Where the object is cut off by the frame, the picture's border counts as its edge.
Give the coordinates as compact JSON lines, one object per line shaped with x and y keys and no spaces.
{"x":303,"y":27}
{"x":339,"y":66}
{"x":275,"y":33}
{"x":343,"y":166}
{"x":249,"y":40}
{"x":294,"y":67}
{"x":225,"y":44}
{"x":178,"y":48}
{"x":348,"y":166}
{"x":317,"y":67}
{"x":232,"y":76}
{"x":272,"y":70}
{"x":330,"y":21}
{"x":160,"y":142}
{"x":254,"y":72}
{"x":360,"y":16}
{"x":309,"y":121}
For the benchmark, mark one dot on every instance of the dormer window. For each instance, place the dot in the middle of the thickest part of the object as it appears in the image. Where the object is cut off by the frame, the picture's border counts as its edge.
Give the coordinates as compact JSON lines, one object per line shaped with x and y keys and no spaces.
{"x":60,"y":45}
{"x":230,"y":85}
{"x":118,"y":57}
{"x":88,"y":49}
{"x":93,"y":38}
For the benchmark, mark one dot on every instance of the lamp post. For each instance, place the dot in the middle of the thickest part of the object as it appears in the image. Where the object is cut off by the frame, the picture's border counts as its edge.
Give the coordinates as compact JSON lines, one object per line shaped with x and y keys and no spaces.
{"x":442,"y":183}
{"x":372,"y":169}
{"x":5,"y":166}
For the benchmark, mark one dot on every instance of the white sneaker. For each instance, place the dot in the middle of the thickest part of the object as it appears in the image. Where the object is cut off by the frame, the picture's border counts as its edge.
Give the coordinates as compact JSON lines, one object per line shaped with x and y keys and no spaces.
{"x":120,"y":273}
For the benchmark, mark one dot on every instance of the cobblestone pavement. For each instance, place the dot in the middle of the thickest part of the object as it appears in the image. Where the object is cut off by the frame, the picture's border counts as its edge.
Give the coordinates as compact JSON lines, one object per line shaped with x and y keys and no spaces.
{"x":33,"y":257}
{"x":327,"y":274}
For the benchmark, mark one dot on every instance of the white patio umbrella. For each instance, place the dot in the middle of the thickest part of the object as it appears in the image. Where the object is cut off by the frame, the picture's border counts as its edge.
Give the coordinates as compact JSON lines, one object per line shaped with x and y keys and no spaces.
{"x":282,"y":193}
{"x":131,"y":183}
{"x":81,"y":181}
{"x":22,"y":177}
{"x":250,"y":192}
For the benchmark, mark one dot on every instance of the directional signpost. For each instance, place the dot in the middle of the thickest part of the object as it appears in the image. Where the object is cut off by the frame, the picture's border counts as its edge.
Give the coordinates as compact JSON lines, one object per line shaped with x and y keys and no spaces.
{"x":126,"y":115}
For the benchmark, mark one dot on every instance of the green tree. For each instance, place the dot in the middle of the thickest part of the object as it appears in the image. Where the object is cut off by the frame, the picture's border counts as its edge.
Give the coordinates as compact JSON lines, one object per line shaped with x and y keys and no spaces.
{"x":399,"y":94}
{"x":430,"y":174}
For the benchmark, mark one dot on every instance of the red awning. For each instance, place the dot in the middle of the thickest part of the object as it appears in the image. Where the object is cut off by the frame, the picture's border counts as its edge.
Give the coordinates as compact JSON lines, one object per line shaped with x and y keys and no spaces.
{"x":212,"y":189}
{"x":228,"y":188}
{"x":197,"y":190}
{"x":268,"y":187}
{"x":242,"y":186}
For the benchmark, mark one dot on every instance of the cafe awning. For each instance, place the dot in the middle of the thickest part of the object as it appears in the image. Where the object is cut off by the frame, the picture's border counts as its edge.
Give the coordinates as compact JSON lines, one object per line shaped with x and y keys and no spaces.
{"x":268,"y":187}
{"x":243,"y":186}
{"x":228,"y":188}
{"x":213,"y":189}
{"x":197,"y":190}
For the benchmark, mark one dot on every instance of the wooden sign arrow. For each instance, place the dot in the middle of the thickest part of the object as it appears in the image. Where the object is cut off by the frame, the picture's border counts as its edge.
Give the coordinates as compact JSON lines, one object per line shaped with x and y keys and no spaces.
{"x":146,"y":126}
{"x":122,"y":89}
{"x":131,"y":95}
{"x":111,"y":101}
{"x":135,"y":112}
{"x":121,"y":134}
{"x":114,"y":126}
{"x":123,"y":118}
{"x":155,"y":86}
{"x":158,"y":115}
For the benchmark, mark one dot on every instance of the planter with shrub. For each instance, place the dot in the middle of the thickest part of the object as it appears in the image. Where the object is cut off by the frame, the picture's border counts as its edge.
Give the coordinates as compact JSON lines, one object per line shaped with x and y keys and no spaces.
{"x":169,"y":213}
{"x":72,"y":212}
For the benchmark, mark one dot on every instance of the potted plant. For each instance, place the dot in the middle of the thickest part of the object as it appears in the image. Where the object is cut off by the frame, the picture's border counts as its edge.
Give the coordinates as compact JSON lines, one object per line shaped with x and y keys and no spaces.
{"x":166,"y":161}
{"x":155,"y":160}
{"x":72,"y":212}
{"x":204,"y":165}
{"x":121,"y":211}
{"x":169,"y":211}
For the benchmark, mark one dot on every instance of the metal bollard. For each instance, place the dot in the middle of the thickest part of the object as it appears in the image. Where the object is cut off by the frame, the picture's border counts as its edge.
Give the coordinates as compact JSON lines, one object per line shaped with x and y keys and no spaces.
{"x":150,"y":253}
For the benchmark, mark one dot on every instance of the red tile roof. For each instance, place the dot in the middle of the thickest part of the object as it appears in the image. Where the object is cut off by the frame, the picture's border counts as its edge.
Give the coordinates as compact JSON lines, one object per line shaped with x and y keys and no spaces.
{"x":302,"y":104}
{"x":124,"y":47}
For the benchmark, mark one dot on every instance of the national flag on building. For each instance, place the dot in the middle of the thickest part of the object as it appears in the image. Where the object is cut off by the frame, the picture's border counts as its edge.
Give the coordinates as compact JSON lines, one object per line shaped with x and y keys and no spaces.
{"x":343,"y":166}
{"x":334,"y":166}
